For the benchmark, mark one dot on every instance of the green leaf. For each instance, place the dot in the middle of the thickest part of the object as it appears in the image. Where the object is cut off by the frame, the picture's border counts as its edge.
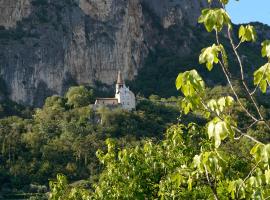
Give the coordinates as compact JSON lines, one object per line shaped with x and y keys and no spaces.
{"x":214,"y":19}
{"x":212,"y":162}
{"x":190,"y":83}
{"x":252,"y":182}
{"x":232,"y":189}
{"x":209,"y":160}
{"x":266,"y":49}
{"x":262,"y":77}
{"x":225,"y":102}
{"x":209,"y":56}
{"x":267,"y":176}
{"x":219,"y":130}
{"x":190,"y":103}
{"x":219,"y":105}
{"x":189,"y":183}
{"x":247,"y":33}
{"x":261,"y":153}
{"x":197,"y":162}
{"x":222,"y":1}
{"x":213,"y":106}
{"x":177,"y":179}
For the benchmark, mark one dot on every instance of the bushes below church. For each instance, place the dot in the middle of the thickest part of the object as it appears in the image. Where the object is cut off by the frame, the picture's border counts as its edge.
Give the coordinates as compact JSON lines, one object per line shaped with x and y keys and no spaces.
{"x":64,"y":135}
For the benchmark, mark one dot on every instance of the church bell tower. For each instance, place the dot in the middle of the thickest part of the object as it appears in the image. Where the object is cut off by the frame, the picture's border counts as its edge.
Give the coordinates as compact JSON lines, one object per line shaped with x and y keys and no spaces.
{"x":120,"y":83}
{"x":125,"y":97}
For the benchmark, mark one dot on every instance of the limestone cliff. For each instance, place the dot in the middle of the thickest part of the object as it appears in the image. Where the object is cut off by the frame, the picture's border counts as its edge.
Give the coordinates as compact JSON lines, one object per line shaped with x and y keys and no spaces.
{"x":48,"y":45}
{"x":13,"y":11}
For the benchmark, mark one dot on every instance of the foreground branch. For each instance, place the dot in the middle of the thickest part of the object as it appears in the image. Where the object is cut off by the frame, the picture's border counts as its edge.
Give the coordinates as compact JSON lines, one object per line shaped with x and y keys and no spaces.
{"x":250,"y":94}
{"x":231,"y":86}
{"x":210,"y":184}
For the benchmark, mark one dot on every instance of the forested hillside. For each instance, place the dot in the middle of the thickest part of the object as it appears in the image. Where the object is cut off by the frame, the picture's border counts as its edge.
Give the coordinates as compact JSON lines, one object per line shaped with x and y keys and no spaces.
{"x":64,"y":135}
{"x":203,"y":134}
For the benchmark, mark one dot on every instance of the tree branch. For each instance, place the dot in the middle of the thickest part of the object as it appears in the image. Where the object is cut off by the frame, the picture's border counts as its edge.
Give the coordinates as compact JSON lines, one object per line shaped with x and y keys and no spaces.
{"x":235,"y":94}
{"x":250,"y":173}
{"x":246,"y":135}
{"x":238,"y":45}
{"x":210,"y":184}
{"x":231,"y":86}
{"x":234,"y":127}
{"x":243,"y":78}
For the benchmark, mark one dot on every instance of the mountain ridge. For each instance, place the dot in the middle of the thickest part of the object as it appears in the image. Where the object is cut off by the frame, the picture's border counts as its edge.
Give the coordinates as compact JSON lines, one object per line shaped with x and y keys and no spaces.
{"x":46,"y":46}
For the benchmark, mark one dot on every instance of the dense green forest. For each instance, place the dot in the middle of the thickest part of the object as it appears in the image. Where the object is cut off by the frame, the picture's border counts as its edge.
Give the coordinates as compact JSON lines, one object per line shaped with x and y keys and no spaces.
{"x":64,"y":135}
{"x":164,"y":169}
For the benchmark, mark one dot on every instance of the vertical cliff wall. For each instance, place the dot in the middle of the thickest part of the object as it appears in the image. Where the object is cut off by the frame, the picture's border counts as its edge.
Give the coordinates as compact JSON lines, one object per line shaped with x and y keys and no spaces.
{"x":48,"y":45}
{"x":12,"y":11}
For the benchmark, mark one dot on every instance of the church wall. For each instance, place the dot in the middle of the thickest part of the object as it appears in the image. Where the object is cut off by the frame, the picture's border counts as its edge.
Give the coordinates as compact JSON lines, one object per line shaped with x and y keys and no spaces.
{"x":126,"y":98}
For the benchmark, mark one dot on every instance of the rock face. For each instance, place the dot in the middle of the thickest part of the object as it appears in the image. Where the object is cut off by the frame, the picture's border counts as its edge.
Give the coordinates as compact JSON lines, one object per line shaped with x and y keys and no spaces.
{"x":13,"y":11}
{"x":176,"y":12}
{"x":48,"y":45}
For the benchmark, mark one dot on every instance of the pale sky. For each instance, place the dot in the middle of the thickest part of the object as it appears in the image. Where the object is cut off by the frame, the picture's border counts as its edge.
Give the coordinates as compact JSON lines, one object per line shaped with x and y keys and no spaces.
{"x":245,"y":11}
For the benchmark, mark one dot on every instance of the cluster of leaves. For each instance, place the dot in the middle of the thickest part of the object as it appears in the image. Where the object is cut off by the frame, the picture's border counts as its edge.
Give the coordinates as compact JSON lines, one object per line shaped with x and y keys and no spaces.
{"x":61,"y":190}
{"x":256,"y":184}
{"x":262,"y":75}
{"x":214,"y":19}
{"x":171,"y":169}
{"x":150,"y":170}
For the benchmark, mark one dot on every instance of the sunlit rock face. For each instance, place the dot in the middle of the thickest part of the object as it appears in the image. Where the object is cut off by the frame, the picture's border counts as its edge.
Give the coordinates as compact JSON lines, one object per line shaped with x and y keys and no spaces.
{"x":12,"y":11}
{"x":48,"y":45}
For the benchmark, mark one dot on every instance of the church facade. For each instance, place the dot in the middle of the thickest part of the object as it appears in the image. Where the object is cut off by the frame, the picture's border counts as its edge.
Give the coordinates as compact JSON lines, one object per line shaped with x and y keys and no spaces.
{"x":124,"y":98}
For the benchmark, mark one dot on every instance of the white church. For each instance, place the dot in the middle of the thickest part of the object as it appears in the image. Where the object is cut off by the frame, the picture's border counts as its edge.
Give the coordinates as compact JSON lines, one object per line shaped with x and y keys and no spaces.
{"x":123,"y":96}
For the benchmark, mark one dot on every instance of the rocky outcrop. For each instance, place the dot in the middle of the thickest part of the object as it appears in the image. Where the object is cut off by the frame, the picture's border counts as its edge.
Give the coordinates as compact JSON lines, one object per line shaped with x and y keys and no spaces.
{"x":176,"y":12}
{"x":48,"y":45}
{"x":12,"y":11}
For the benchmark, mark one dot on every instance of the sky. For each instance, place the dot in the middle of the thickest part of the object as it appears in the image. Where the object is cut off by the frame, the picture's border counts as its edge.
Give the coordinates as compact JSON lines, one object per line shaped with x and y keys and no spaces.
{"x":245,"y":11}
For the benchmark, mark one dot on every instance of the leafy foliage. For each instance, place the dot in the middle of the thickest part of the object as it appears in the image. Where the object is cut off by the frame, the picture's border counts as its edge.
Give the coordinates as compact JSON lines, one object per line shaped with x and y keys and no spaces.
{"x":210,"y":56}
{"x":221,"y":1}
{"x":262,"y":77}
{"x":219,"y":130}
{"x":214,"y":19}
{"x":189,"y":82}
{"x":61,"y":190}
{"x":79,"y":96}
{"x":266,"y":49}
{"x":247,"y":33}
{"x":60,"y":137}
{"x":219,"y":105}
